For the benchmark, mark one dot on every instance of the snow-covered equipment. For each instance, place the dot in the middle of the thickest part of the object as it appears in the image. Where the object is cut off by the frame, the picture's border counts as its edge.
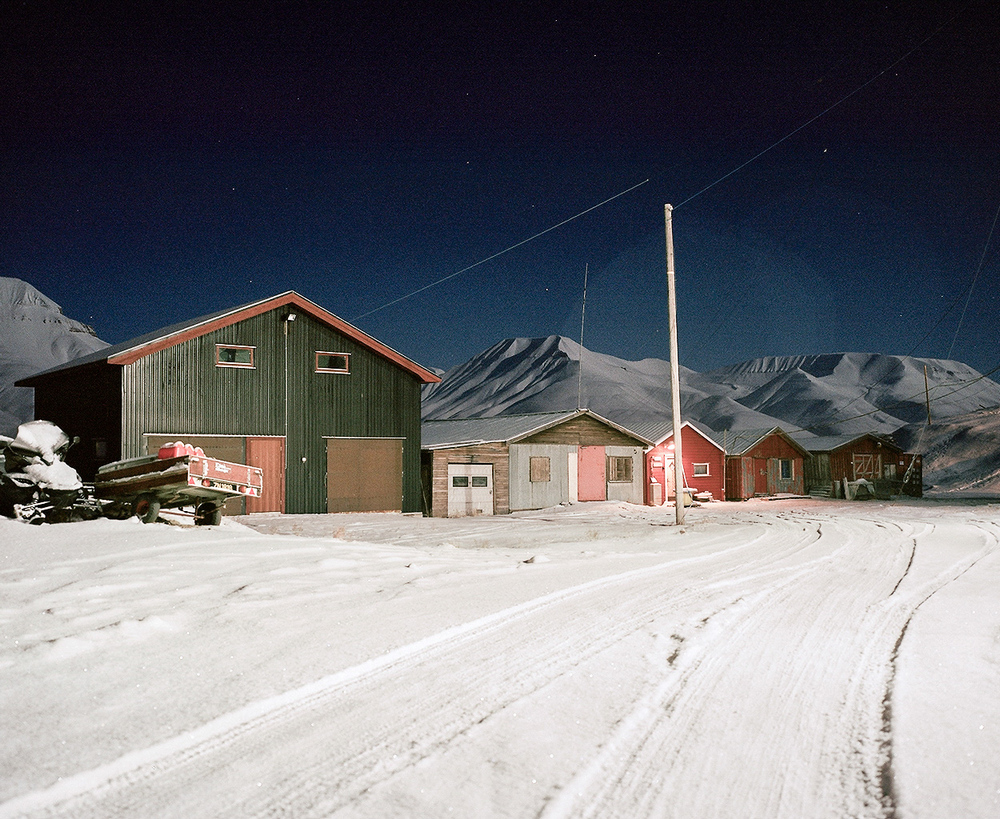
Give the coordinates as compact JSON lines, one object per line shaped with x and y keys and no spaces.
{"x":178,"y":476}
{"x":36,"y":483}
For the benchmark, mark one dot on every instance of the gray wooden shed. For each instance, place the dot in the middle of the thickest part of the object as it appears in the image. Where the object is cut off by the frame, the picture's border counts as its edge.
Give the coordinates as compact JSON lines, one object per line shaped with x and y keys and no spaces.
{"x":507,"y":463}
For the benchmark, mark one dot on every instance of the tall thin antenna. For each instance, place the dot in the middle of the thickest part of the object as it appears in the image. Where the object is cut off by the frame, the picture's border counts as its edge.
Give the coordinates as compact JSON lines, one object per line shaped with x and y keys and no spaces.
{"x":583,"y":316}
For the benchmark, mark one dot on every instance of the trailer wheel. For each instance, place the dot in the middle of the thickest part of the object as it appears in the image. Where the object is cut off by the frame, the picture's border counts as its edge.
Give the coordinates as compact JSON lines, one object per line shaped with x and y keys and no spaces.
{"x":208,"y":514}
{"x":146,"y":508}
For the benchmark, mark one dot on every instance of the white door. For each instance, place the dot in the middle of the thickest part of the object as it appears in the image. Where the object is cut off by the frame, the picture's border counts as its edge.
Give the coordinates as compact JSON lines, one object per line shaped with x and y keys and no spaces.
{"x":470,"y":489}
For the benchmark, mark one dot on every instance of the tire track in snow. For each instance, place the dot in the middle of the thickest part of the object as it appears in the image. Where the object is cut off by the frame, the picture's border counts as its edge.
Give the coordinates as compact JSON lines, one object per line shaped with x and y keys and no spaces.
{"x":673,"y":756}
{"x":189,"y":769}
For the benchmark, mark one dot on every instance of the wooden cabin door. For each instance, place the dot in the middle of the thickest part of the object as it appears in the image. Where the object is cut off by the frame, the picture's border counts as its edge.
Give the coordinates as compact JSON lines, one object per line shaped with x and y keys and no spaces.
{"x":593,"y":481}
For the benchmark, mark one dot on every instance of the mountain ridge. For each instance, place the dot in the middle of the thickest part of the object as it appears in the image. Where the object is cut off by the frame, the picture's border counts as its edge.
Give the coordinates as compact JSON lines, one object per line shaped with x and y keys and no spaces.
{"x":826,"y":394}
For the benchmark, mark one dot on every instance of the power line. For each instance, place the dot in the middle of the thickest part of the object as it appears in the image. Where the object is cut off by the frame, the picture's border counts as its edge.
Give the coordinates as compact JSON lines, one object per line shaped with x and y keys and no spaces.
{"x":501,"y":252}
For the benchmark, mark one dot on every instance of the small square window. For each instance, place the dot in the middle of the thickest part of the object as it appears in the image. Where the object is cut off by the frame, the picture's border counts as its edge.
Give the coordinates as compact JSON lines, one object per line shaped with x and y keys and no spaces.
{"x":540,"y":469}
{"x":333,"y":362}
{"x":619,"y":469}
{"x":700,"y":470}
{"x":233,"y":355}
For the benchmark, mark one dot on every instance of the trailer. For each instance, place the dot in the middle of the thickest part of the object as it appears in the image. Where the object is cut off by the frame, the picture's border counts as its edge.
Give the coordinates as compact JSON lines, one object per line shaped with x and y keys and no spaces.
{"x":178,"y":476}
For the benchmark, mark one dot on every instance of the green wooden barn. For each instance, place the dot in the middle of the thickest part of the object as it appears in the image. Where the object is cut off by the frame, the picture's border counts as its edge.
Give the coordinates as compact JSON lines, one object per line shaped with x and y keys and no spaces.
{"x":330,"y":414}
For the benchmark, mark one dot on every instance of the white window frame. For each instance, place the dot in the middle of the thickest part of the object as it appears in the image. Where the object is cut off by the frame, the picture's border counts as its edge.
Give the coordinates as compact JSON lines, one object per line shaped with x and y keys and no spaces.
{"x":700,"y":470}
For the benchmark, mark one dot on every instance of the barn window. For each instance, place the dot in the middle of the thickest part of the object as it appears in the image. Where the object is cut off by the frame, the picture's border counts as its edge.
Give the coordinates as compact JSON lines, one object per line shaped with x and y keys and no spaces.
{"x":786,"y":469}
{"x":700,"y":470}
{"x":619,"y":469}
{"x":333,"y":362}
{"x":460,"y":480}
{"x":480,"y":480}
{"x":233,"y":355}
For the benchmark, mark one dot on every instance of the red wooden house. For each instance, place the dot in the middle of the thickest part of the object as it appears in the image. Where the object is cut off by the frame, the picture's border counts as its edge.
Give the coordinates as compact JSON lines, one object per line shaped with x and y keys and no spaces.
{"x":762,"y":462}
{"x":876,"y":458}
{"x":704,"y":462}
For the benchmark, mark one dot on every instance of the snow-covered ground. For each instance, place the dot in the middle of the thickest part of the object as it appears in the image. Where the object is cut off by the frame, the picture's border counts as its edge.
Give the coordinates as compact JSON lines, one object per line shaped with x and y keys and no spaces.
{"x":791,"y":658}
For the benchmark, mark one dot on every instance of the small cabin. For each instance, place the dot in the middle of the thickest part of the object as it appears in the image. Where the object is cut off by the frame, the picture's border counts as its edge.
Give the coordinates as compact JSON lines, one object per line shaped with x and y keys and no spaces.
{"x":762,"y":462}
{"x":704,"y":462}
{"x":509,"y":463}
{"x":836,"y":459}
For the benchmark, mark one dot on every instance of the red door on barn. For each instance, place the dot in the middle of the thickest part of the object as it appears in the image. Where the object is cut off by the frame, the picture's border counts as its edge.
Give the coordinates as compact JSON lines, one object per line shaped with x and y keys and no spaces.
{"x":760,"y":483}
{"x":591,"y":466}
{"x":269,"y":455}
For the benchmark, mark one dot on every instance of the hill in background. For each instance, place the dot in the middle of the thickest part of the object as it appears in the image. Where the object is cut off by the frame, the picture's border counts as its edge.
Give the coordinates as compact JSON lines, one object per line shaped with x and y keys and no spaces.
{"x":821,"y":394}
{"x":34,"y":336}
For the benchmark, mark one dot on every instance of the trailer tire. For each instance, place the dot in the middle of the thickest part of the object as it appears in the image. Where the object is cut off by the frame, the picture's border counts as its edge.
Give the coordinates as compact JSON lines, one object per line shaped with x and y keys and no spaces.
{"x":146,"y":508}
{"x":208,"y":514}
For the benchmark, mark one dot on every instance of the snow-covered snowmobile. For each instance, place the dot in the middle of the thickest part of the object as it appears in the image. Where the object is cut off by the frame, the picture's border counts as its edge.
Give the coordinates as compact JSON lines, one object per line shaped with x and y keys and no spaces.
{"x":36,"y":483}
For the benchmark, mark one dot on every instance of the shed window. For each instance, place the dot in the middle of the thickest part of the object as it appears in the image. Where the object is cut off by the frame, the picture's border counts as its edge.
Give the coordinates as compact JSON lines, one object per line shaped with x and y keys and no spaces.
{"x":540,"y":469}
{"x":460,"y":480}
{"x":333,"y":362}
{"x":700,"y":470}
{"x":480,"y":480}
{"x":786,"y":469}
{"x":619,"y":469}
{"x":233,"y":355}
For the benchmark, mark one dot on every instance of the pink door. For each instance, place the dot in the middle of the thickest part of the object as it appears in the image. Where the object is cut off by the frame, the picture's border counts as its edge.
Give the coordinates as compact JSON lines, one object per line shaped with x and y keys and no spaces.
{"x":269,"y":455}
{"x":591,"y":466}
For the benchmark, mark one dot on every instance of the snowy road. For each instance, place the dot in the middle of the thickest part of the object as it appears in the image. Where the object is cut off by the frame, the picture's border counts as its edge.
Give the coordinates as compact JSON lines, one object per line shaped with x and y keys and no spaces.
{"x":745,"y":666}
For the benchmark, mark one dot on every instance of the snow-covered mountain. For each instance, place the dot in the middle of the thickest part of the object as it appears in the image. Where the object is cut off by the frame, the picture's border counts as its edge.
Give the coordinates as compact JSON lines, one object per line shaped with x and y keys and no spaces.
{"x":522,"y":375}
{"x":821,"y":394}
{"x":34,"y":336}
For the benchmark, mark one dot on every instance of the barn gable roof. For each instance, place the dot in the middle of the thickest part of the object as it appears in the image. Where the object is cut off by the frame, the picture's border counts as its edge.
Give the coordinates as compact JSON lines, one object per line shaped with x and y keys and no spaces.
{"x":507,"y":429}
{"x":741,"y":441}
{"x":130,"y":351}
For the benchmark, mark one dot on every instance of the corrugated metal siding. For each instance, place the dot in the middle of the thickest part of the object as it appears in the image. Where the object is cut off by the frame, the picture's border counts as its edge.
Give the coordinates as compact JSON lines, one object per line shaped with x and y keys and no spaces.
{"x":527,"y":495}
{"x":182,"y":388}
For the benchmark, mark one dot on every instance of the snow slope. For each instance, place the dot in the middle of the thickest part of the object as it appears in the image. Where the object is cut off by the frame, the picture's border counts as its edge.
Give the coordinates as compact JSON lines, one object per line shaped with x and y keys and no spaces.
{"x":961,"y":454}
{"x":34,"y":336}
{"x":817,"y":660}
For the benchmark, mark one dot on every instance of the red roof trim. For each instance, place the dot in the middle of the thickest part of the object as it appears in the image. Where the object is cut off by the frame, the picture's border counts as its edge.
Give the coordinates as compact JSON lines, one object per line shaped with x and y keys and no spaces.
{"x":285,"y":299}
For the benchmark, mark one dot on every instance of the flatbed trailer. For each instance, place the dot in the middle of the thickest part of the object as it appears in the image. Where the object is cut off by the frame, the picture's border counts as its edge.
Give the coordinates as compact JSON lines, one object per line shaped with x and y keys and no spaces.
{"x":145,"y":485}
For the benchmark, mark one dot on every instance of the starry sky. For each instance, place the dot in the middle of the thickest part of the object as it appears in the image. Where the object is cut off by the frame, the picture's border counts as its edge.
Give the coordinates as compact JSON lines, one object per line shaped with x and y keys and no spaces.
{"x":431,"y":174}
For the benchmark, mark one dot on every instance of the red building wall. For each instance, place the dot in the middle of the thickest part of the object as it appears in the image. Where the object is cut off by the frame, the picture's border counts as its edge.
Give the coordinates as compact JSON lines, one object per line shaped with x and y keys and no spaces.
{"x":695,"y":449}
{"x":757,"y":472}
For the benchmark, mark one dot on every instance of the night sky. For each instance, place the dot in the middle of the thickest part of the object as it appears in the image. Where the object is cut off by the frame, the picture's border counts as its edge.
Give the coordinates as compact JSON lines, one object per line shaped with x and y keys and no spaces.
{"x":161,"y":162}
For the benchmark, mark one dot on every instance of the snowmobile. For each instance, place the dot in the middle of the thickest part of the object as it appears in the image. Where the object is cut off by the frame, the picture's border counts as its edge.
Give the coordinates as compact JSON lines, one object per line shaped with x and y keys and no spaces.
{"x":36,"y":483}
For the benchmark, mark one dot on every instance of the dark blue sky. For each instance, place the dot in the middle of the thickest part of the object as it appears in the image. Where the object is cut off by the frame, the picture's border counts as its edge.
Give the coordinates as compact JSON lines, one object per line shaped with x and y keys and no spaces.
{"x":159,"y":162}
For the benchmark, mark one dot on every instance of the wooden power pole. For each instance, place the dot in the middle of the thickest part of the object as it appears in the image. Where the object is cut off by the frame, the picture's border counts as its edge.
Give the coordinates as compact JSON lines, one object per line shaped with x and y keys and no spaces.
{"x":675,"y":371}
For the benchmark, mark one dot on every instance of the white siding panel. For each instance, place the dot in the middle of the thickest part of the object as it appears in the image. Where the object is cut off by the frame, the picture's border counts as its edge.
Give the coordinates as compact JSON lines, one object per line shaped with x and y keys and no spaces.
{"x":628,"y":492}
{"x":527,"y":495}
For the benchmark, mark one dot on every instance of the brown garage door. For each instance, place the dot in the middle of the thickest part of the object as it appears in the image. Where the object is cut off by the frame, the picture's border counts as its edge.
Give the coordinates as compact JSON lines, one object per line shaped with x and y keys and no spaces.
{"x":364,"y":474}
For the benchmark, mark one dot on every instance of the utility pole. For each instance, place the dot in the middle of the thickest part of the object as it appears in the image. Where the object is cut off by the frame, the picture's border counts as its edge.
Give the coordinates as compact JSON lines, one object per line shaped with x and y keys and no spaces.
{"x":675,"y":371}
